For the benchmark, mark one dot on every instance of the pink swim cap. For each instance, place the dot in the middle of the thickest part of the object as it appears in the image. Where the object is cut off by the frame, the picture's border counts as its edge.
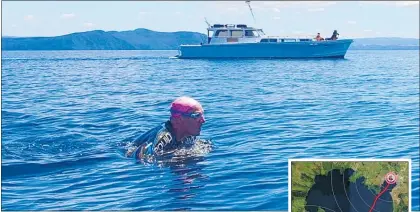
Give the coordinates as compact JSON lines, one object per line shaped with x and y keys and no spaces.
{"x":183,"y":104}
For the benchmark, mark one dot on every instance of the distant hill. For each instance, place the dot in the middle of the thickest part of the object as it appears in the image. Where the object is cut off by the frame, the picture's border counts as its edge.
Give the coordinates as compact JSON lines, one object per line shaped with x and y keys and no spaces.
{"x":144,"y":39}
{"x":93,"y":40}
{"x":147,"y":39}
{"x":139,"y":39}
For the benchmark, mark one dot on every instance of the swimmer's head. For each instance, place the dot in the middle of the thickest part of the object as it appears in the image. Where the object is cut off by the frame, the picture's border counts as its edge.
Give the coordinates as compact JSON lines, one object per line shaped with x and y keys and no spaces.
{"x":187,"y":115}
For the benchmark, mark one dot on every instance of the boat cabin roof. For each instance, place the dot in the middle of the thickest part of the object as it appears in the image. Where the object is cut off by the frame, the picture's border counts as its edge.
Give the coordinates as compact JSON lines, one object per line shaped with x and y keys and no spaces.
{"x":230,"y":27}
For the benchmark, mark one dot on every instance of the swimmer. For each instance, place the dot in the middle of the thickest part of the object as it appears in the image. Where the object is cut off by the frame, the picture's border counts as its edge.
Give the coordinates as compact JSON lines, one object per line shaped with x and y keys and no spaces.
{"x":184,"y":124}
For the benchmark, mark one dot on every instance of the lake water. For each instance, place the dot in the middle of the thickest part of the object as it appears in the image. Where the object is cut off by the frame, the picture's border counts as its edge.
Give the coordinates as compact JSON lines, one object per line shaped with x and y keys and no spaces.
{"x":66,"y":116}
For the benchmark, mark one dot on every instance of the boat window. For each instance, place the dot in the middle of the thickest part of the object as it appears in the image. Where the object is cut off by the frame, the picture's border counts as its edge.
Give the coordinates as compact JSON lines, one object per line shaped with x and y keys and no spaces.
{"x":218,"y":26}
{"x":221,"y":33}
{"x":250,"y":33}
{"x":236,"y":33}
{"x":288,"y":40}
{"x":268,"y":40}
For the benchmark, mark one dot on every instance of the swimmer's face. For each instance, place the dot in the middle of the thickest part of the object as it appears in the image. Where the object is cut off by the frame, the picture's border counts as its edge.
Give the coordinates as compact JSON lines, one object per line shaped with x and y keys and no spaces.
{"x":193,"y":124}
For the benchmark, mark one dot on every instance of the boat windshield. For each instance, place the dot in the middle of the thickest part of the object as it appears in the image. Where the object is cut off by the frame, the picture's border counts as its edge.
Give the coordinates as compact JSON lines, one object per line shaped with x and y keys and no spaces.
{"x":251,"y":33}
{"x":261,"y":32}
{"x":221,"y":33}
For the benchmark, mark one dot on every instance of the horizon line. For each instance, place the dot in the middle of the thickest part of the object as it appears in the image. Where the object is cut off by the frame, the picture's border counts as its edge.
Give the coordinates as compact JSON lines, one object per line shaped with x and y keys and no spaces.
{"x":49,"y":36}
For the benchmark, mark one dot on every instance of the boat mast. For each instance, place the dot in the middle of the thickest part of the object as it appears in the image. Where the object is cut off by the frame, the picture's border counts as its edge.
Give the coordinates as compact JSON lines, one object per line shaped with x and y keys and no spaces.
{"x":208,"y":32}
{"x":250,"y":9}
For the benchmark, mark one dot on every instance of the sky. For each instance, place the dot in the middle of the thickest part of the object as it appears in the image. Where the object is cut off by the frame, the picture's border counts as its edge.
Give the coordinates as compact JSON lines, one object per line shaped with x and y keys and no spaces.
{"x":352,"y":19}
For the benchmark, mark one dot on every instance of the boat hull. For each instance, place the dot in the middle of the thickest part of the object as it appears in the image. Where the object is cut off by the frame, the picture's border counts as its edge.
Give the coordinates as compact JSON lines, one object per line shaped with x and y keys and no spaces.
{"x":308,"y":49}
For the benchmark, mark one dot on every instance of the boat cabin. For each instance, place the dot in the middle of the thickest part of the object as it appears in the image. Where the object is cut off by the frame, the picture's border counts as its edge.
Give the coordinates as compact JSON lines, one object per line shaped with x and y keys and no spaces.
{"x":241,"y":33}
{"x":231,"y":33}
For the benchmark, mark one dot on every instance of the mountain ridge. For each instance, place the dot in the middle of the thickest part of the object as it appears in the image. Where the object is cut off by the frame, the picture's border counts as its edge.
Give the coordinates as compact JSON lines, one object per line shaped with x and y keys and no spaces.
{"x":146,"y":39}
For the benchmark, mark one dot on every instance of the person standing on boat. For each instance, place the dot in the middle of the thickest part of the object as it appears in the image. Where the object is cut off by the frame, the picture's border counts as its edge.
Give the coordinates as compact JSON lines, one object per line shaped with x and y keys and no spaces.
{"x":184,"y":124}
{"x":335,"y":35}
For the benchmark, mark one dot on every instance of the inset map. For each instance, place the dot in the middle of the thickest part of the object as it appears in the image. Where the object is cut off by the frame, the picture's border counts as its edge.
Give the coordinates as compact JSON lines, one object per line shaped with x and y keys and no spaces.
{"x":349,"y":185}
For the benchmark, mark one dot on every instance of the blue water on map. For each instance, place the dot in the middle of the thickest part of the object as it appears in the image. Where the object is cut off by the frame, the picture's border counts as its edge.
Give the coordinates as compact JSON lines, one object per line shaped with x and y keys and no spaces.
{"x":66,"y":115}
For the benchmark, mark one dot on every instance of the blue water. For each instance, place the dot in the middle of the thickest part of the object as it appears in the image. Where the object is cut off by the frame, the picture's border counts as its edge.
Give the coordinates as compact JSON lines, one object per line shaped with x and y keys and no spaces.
{"x":66,"y":116}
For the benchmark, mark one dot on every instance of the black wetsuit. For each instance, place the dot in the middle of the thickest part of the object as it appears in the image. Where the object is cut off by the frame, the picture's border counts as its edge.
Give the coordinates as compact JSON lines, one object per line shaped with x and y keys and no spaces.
{"x":156,"y":142}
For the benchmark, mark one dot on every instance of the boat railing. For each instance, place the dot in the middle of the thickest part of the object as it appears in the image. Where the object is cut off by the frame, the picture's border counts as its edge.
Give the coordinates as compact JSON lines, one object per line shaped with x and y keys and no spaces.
{"x":275,"y":39}
{"x":278,"y":38}
{"x":237,"y":36}
{"x":293,"y":37}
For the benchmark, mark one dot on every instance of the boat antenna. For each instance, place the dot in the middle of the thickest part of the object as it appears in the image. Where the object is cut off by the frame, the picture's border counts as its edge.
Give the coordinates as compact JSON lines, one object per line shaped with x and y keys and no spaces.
{"x":208,"y":24}
{"x":250,"y":9}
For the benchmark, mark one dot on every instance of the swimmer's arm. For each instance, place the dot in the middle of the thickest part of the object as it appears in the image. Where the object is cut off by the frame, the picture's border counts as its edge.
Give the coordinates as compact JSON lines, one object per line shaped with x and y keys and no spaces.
{"x":141,"y":139}
{"x":130,"y":152}
{"x":143,"y":145}
{"x":146,"y":149}
{"x":141,"y":151}
{"x":138,"y":142}
{"x":147,"y":136}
